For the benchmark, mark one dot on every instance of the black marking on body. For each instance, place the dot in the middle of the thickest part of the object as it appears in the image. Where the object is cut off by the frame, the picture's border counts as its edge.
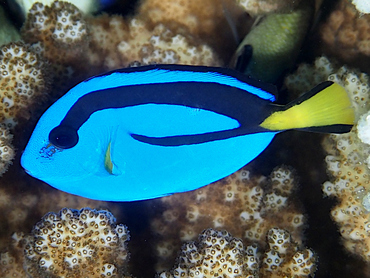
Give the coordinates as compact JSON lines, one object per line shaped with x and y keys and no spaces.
{"x":243,"y":60}
{"x":270,"y":88}
{"x":248,"y":109}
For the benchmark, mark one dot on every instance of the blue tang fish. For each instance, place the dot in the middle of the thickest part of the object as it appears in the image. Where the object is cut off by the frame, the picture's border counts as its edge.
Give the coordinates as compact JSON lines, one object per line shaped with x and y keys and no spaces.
{"x":146,"y":132}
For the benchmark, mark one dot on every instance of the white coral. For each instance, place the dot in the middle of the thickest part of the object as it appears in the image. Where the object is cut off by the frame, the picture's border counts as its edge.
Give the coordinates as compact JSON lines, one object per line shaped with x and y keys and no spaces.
{"x":79,"y":243}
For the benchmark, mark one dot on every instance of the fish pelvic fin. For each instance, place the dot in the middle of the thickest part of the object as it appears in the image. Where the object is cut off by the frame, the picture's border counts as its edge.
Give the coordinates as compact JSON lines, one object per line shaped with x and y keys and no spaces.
{"x":325,"y":108}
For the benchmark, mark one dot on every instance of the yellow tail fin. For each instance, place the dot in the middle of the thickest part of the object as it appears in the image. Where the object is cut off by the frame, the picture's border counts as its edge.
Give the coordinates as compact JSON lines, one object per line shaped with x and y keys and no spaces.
{"x":328,"y":104}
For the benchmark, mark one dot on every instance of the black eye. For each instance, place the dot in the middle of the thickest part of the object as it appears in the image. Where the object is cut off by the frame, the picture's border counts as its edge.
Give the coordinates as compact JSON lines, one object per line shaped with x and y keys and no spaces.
{"x":63,"y":137}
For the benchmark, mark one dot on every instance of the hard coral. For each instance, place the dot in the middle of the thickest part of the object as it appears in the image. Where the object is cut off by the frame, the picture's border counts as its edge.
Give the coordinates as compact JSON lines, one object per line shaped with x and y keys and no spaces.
{"x":116,"y":43}
{"x":347,"y":159}
{"x":307,"y":76}
{"x":91,"y":45}
{"x":346,"y":34}
{"x":216,"y":254}
{"x":60,"y":35}
{"x":72,"y":243}
{"x":262,"y":7}
{"x":86,"y":6}
{"x":284,"y":258}
{"x":219,"y":23}
{"x":362,"y":6}
{"x":24,"y":201}
{"x":6,"y":149}
{"x":246,"y":205}
{"x":24,"y":81}
{"x":58,"y":24}
{"x":219,"y":254}
{"x":12,"y":261}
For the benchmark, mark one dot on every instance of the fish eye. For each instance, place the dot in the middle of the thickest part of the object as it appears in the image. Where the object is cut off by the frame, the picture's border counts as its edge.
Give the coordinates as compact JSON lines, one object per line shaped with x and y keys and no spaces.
{"x":63,"y":137}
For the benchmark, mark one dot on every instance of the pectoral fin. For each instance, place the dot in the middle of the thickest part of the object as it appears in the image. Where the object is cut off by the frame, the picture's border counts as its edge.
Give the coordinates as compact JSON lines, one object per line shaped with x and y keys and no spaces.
{"x":108,"y":163}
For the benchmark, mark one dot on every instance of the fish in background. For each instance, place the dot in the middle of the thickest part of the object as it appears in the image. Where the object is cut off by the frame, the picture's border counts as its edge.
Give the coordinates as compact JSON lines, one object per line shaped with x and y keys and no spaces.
{"x":145,"y":132}
{"x":271,"y":47}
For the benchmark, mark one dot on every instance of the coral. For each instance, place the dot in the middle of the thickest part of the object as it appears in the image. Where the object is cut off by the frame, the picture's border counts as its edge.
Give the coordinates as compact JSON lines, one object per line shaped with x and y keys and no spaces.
{"x":72,"y":243}
{"x":10,"y":267}
{"x":346,"y":34}
{"x":276,"y":42}
{"x":362,"y":6}
{"x":216,"y":254}
{"x":347,"y":156}
{"x":347,"y":163}
{"x":197,"y":18}
{"x":102,"y":46}
{"x":307,"y":76}
{"x":59,"y":34}
{"x":219,"y":254}
{"x":363,"y":128}
{"x":284,"y":258}
{"x":86,"y":6}
{"x":58,"y":25}
{"x":24,"y":201}
{"x":218,"y":23}
{"x":8,"y":33}
{"x":355,"y":82}
{"x":6,"y":149}
{"x":78,"y":45}
{"x":125,"y":42}
{"x":12,"y":261}
{"x":24,"y":82}
{"x":263,"y":7}
{"x":247,"y":206}
{"x":65,"y":47}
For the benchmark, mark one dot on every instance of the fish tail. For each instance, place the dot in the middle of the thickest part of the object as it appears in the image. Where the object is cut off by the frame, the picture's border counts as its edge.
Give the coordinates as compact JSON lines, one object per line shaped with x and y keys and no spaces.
{"x":326,"y":108}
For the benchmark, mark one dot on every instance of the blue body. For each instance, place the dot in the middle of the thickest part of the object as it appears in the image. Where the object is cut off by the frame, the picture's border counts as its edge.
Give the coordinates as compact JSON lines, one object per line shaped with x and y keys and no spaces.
{"x":157,"y":147}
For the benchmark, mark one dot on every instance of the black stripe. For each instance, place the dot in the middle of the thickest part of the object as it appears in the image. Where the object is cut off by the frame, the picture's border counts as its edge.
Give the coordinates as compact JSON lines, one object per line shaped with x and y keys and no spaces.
{"x":222,"y":99}
{"x":248,"y":109}
{"x":270,"y":88}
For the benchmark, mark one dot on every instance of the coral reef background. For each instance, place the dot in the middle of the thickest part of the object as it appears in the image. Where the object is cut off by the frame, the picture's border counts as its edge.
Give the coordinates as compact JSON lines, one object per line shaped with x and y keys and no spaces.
{"x":61,"y":46}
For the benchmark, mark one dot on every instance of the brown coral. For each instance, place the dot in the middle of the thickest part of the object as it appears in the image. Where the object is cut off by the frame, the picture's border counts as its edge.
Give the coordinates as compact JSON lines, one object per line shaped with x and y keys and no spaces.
{"x":263,"y":7}
{"x":218,"y":254}
{"x":59,"y":34}
{"x":116,"y":43}
{"x":72,"y":243}
{"x":60,"y":28}
{"x":346,"y":34}
{"x":218,"y":23}
{"x":347,"y":157}
{"x":346,"y":162}
{"x":284,"y":258}
{"x":24,"y":84}
{"x":84,"y":46}
{"x":85,"y":243}
{"x":12,"y":261}
{"x":246,"y":205}
{"x":24,"y":200}
{"x":7,"y":151}
{"x":24,"y":81}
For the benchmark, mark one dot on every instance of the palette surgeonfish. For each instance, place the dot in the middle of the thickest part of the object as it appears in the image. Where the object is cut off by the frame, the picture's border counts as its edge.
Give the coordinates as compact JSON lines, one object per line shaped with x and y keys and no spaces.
{"x":146,"y":132}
